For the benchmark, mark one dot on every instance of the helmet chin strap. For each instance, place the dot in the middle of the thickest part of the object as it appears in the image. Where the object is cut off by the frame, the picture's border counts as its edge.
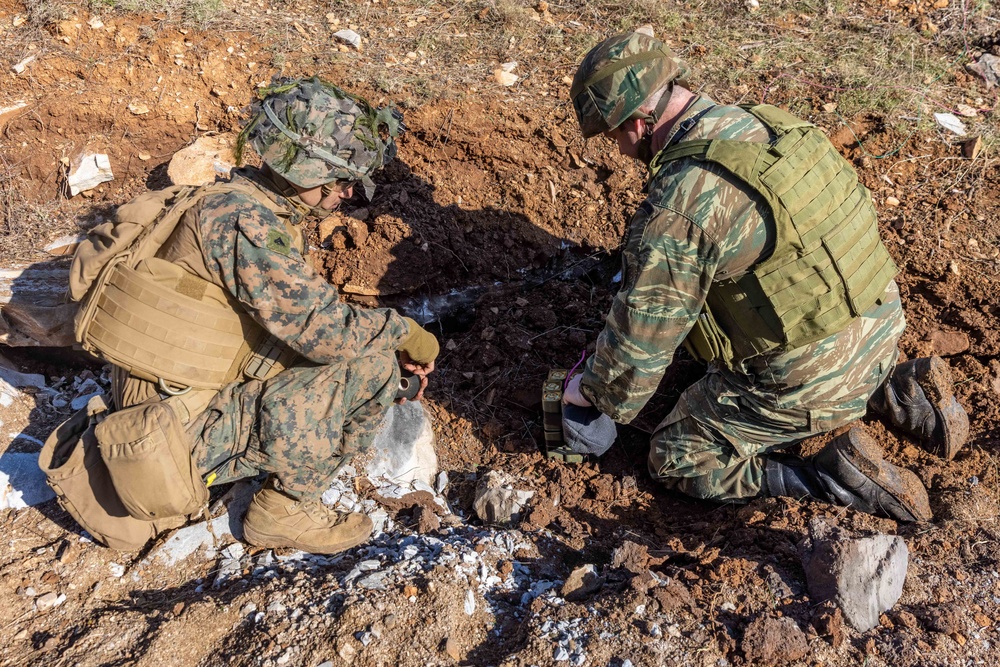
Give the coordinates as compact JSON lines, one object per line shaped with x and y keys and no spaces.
{"x":645,"y":147}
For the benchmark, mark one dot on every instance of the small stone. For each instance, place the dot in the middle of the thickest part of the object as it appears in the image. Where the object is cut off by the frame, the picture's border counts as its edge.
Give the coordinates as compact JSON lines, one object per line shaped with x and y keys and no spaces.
{"x":496,"y":501}
{"x":830,"y":107}
{"x":410,"y":591}
{"x":948,"y":343}
{"x":560,"y":654}
{"x":138,"y":108}
{"x":49,"y":600}
{"x":891,"y":201}
{"x":451,"y":648}
{"x":347,"y":651}
{"x":583,"y":581}
{"x":506,"y":79}
{"x":773,"y":641}
{"x":349,"y":37}
{"x":470,"y":603}
{"x":972,"y":147}
{"x":23,"y":65}
{"x":248,"y":609}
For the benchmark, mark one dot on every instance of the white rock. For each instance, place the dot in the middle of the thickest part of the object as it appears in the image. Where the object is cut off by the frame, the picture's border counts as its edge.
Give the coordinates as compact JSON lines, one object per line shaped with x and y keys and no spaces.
{"x":7,"y":113}
{"x":188,"y":540}
{"x":509,"y":67}
{"x":951,"y":123}
{"x":864,"y":577}
{"x":349,"y":37}
{"x":470,"y":603}
{"x":403,"y":449}
{"x":505,"y":78}
{"x":442,"y":481}
{"x":88,"y":171}
{"x":496,"y":502}
{"x":18,"y":379}
{"x":23,"y":65}
{"x":117,"y":570}
{"x":65,"y":245}
{"x":80,"y":402}
{"x":22,"y":483}
{"x":203,"y":161}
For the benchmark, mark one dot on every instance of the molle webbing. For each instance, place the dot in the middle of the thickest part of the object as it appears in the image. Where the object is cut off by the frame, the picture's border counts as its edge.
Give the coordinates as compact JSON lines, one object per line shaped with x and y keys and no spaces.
{"x":168,"y":326}
{"x":158,"y":333}
{"x":829,"y":264}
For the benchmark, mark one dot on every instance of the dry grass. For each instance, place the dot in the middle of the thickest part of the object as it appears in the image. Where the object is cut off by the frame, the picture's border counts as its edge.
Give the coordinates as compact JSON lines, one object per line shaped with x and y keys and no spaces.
{"x":866,"y":58}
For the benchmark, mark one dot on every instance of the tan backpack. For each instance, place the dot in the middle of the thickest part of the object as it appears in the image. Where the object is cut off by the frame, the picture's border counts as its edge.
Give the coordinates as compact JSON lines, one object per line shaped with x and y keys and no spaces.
{"x":153,"y":318}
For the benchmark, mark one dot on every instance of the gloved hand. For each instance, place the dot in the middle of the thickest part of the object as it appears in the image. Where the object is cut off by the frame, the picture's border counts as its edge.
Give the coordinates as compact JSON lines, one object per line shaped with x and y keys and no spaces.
{"x":420,"y":346}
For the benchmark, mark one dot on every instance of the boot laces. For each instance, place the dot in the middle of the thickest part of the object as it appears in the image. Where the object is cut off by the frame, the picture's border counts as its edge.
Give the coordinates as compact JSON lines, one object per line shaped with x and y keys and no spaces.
{"x":321,"y":513}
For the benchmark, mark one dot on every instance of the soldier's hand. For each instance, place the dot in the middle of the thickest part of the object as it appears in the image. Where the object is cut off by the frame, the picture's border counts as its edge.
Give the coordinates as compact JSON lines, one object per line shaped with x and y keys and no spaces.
{"x":572,"y":393}
{"x":420,"y":370}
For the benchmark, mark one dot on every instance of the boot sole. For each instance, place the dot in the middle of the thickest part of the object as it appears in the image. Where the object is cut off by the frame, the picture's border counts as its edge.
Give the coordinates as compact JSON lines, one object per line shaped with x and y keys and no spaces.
{"x":939,"y":389}
{"x":863,"y":453}
{"x":264,"y":541}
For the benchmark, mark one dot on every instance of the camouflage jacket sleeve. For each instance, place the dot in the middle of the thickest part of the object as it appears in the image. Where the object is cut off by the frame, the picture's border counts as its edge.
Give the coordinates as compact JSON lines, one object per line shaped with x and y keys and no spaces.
{"x":669,"y":262}
{"x":248,"y":248}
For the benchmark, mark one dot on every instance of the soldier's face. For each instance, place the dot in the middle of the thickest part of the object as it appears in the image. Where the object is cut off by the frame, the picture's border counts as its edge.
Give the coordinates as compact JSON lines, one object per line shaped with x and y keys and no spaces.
{"x":628,"y":135}
{"x":332,"y":194}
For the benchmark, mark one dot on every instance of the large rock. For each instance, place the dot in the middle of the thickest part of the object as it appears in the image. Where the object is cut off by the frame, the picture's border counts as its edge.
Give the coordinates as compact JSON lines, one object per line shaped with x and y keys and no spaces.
{"x":497,"y":501}
{"x":201,"y":162}
{"x":403,"y":450}
{"x":33,"y":311}
{"x":22,"y":482}
{"x":862,"y":576}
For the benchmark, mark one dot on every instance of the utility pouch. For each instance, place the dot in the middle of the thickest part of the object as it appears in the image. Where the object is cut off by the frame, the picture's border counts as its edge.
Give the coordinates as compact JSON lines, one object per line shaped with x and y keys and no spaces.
{"x":707,"y":341}
{"x":73,"y":468}
{"x":148,"y":457}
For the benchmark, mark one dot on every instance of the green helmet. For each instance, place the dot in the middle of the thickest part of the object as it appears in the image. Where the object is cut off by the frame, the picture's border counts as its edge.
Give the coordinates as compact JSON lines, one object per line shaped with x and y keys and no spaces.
{"x":311,"y":133}
{"x":617,"y":76}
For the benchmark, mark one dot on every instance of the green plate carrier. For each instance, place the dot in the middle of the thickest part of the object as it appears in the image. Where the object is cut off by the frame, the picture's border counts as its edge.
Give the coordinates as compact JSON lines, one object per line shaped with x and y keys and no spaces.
{"x":828,"y":266}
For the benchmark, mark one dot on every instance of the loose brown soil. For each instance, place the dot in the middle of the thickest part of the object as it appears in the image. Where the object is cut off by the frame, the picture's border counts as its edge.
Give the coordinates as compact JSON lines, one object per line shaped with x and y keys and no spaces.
{"x":496,"y":201}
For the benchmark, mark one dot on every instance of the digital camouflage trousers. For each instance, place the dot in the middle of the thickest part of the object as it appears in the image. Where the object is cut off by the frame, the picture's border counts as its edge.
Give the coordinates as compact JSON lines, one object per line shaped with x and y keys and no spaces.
{"x":715,"y":442}
{"x":298,"y":425}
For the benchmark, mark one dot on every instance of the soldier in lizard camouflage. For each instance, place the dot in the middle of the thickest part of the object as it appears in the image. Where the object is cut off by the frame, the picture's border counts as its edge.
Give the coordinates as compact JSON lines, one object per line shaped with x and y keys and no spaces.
{"x":757,"y":248}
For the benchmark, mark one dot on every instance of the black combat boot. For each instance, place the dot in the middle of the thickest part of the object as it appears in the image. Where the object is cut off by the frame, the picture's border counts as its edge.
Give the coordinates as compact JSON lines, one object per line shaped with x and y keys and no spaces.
{"x":850,"y":471}
{"x":919,"y":398}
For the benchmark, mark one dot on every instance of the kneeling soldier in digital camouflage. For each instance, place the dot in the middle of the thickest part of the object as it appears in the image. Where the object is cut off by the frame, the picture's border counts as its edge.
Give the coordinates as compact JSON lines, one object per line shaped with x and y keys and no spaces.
{"x":223,"y":336}
{"x":757,"y":248}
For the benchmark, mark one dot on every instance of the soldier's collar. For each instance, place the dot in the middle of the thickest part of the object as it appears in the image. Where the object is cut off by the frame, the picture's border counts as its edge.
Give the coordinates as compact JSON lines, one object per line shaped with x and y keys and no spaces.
{"x":694,"y":110}
{"x":688,"y":118}
{"x":277,"y":190}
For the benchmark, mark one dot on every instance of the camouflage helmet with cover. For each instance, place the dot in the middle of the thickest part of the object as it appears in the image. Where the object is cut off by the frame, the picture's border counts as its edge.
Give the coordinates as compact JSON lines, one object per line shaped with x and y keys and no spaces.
{"x":311,"y":132}
{"x":617,"y":76}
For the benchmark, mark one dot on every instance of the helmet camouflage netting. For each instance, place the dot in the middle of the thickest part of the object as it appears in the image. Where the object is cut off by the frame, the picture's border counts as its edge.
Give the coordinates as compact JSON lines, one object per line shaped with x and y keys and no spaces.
{"x":617,"y":76}
{"x":311,"y":133}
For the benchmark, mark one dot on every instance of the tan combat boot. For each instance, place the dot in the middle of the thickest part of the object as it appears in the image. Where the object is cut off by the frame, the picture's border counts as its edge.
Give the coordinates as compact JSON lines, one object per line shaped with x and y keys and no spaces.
{"x":276,"y":520}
